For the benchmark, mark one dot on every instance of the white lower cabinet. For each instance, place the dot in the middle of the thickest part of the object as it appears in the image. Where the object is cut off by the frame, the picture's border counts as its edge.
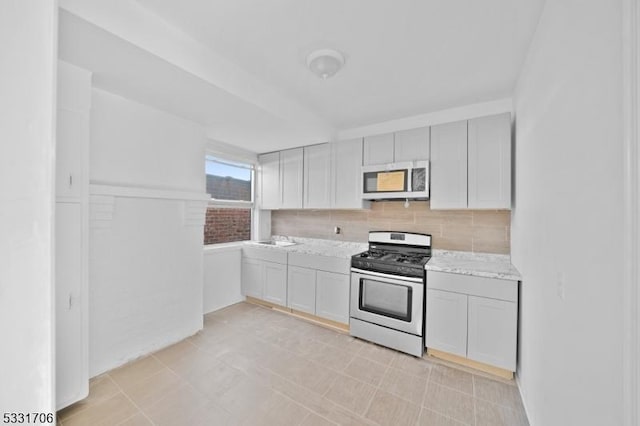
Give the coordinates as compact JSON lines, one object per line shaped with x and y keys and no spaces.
{"x":473,"y":317}
{"x":72,"y":370}
{"x":251,"y":280}
{"x":301,"y":294}
{"x":316,"y":285}
{"x":324,"y":278}
{"x":332,"y":296}
{"x":321,"y":293}
{"x":264,"y":274}
{"x":275,"y":283}
{"x":492,"y":332}
{"x":446,"y":324}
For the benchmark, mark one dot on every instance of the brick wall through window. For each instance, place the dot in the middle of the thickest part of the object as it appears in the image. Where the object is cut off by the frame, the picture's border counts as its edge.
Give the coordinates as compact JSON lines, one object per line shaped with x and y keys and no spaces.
{"x":225,"y":225}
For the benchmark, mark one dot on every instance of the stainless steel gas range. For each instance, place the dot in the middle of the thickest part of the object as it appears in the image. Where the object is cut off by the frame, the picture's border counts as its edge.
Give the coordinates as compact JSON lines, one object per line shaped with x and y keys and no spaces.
{"x":388,"y":290}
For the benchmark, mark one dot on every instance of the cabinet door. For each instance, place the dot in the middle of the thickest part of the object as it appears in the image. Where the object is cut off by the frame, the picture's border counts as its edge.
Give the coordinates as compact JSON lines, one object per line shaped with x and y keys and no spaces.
{"x":449,"y":166}
{"x":271,"y":196}
{"x":347,"y":174}
{"x":72,"y":372}
{"x":251,"y":281}
{"x":412,"y":145}
{"x":72,"y":138}
{"x":446,"y":322}
{"x":301,"y":289}
{"x":291,"y":165}
{"x":317,"y":179}
{"x":490,"y":162}
{"x":493,"y":332}
{"x":275,"y":283}
{"x":332,"y":296}
{"x":378,"y":149}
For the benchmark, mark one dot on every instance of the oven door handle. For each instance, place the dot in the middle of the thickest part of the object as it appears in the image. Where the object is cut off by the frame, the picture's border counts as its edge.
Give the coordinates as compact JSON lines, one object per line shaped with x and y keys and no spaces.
{"x":388,"y":276}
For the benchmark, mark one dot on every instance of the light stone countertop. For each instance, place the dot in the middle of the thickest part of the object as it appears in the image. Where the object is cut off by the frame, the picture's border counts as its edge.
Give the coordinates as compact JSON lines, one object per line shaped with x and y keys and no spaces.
{"x":458,"y":262}
{"x":315,"y":246}
{"x":476,"y":264}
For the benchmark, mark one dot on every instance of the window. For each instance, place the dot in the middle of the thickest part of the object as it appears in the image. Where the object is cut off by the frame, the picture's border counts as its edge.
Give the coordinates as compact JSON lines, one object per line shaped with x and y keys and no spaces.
{"x":230,"y":185}
{"x":227,"y":181}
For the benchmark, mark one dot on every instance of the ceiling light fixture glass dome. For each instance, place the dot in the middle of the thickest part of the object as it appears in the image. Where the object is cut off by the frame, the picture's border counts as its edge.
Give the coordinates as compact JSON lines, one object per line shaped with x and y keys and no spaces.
{"x":325,"y":62}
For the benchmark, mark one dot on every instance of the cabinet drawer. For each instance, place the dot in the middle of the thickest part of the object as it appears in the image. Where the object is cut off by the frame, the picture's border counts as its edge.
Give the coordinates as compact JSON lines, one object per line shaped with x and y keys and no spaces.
{"x":322,"y":263}
{"x":474,"y":286}
{"x":267,"y":254}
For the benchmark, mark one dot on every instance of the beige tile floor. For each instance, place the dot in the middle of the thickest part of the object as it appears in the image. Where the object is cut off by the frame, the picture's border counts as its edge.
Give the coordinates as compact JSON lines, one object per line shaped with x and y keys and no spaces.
{"x":254,"y":366}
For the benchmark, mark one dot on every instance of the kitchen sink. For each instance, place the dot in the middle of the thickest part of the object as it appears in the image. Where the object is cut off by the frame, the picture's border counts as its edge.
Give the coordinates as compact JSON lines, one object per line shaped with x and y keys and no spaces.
{"x":276,"y":243}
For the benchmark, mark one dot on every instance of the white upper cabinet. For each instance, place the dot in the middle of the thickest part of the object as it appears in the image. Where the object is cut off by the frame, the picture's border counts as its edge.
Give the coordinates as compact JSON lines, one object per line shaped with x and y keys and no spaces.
{"x":271,"y":192}
{"x":291,"y":166}
{"x":405,"y":145}
{"x":449,"y":166}
{"x":378,"y":149}
{"x":74,"y":87}
{"x":346,"y":173}
{"x":471,"y":164}
{"x":72,"y":139}
{"x":412,"y":145}
{"x":317,"y":176}
{"x":281,"y":179}
{"x":490,"y":162}
{"x":470,"y":167}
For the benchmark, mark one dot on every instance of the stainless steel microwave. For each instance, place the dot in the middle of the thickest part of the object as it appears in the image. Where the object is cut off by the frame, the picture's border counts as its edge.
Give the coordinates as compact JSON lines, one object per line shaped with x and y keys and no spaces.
{"x":396,"y":180}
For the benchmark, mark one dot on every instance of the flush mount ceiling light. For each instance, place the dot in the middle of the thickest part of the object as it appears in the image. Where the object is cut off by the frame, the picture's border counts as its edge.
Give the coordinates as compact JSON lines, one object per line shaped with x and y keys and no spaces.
{"x":325,"y":62}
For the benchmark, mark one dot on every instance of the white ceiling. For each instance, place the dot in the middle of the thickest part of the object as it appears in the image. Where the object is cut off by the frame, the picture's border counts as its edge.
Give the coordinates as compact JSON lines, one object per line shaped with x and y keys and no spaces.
{"x":404,"y":57}
{"x":127,"y":70}
{"x":238,"y":66}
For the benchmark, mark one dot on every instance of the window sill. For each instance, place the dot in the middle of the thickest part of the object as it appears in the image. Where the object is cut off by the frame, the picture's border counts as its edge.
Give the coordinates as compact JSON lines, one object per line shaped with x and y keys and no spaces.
{"x":231,"y":246}
{"x":222,"y":204}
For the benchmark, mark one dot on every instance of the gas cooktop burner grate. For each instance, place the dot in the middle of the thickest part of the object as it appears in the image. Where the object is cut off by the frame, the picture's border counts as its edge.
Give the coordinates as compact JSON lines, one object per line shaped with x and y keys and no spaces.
{"x":394,"y":258}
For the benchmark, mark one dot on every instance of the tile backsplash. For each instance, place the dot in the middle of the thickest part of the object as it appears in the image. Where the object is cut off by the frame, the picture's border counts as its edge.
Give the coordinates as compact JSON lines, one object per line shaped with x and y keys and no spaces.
{"x":486,"y":231}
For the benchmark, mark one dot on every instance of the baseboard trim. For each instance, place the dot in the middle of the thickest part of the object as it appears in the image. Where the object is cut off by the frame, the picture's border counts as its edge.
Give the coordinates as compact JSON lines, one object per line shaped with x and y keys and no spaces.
{"x":486,"y":368}
{"x":334,"y":325}
{"x":522,"y":398}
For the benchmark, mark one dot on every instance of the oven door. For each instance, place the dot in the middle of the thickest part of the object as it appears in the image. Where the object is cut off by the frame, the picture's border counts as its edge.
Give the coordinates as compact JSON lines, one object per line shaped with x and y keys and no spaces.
{"x":388,"y":300}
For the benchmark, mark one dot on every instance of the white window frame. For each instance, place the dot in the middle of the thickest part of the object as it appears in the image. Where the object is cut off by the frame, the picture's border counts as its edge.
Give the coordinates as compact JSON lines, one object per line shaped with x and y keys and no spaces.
{"x":236,"y":204}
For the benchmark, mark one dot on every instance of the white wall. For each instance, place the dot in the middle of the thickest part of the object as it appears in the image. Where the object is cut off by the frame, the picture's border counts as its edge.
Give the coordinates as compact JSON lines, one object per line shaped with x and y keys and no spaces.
{"x":135,"y":145}
{"x":27,"y":151}
{"x":567,"y":221}
{"x":222,"y":269}
{"x":145,"y":260}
